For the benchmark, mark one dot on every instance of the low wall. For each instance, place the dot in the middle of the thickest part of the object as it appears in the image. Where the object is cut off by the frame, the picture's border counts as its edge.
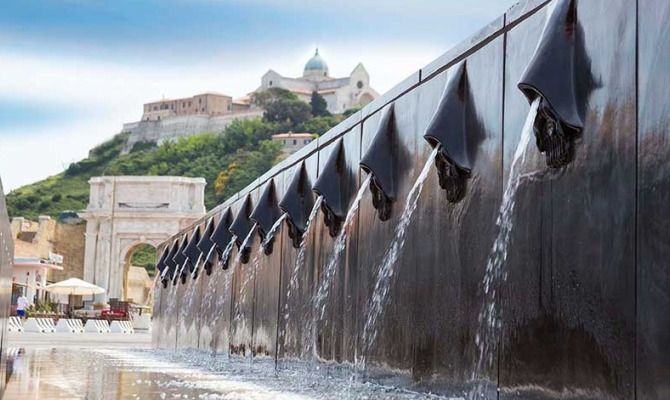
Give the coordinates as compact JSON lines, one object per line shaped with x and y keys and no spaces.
{"x":175,"y":127}
{"x":580,"y":291}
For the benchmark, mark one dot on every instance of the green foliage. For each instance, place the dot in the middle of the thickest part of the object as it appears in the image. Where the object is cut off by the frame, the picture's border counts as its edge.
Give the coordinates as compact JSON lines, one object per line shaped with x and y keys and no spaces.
{"x":145,"y":256}
{"x":319,"y":105}
{"x":319,"y":125}
{"x":245,"y":142}
{"x":282,"y":107}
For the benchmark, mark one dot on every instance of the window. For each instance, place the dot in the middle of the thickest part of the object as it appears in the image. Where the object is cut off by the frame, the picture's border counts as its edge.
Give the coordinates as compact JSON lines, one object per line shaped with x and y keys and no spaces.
{"x":199,"y":101}
{"x":189,"y":104}
{"x":295,"y":142}
{"x":359,"y":84}
{"x":203,"y":109}
{"x":306,"y":141}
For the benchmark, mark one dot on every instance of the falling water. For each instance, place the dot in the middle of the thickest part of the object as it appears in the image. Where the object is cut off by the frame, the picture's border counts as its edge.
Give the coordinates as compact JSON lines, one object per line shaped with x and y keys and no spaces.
{"x":241,"y":298}
{"x":386,"y":270}
{"x":245,"y":243}
{"x":330,"y":269}
{"x":294,"y":281}
{"x":273,"y":230}
{"x":226,"y":252}
{"x":319,"y":301}
{"x":495,"y":274}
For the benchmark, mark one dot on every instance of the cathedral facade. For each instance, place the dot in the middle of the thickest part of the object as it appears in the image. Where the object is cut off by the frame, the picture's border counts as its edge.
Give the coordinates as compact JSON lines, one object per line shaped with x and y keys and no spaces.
{"x":341,"y":94}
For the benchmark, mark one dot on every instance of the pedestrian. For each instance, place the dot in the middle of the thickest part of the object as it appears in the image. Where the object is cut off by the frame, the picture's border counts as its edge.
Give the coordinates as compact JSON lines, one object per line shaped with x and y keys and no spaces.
{"x":21,"y":305}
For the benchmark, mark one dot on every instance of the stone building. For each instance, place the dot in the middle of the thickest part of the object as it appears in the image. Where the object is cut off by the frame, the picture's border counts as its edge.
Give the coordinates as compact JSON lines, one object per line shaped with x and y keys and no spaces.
{"x":292,"y":142}
{"x":340,"y":94}
{"x":212,"y":104}
{"x":125,"y":212}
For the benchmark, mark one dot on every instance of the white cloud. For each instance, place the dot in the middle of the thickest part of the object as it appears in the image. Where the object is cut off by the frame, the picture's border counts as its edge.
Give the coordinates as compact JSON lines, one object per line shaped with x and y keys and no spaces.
{"x":103,"y":95}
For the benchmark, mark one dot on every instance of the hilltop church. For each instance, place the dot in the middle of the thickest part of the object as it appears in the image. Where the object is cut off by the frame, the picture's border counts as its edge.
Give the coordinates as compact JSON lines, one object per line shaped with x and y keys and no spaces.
{"x":341,"y":94}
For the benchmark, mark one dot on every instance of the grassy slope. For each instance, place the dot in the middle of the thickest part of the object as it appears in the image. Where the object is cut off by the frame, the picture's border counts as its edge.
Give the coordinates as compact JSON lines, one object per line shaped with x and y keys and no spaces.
{"x":244,"y":144}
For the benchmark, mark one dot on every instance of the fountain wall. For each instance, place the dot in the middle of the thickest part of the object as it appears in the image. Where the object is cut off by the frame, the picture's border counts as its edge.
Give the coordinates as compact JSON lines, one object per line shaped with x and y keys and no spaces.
{"x":582,"y":302}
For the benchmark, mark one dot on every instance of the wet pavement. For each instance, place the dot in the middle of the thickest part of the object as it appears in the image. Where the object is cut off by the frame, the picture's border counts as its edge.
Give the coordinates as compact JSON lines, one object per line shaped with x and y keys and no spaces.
{"x":69,"y":372}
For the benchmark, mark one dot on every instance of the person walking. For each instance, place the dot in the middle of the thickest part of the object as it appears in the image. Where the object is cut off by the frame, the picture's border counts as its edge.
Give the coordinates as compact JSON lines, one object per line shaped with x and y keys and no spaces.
{"x":21,"y":305}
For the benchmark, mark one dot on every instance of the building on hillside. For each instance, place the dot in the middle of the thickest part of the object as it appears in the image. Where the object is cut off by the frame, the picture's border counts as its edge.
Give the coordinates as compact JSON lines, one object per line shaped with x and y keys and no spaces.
{"x":35,"y":259}
{"x":212,"y":104}
{"x":341,"y":94}
{"x":292,"y":142}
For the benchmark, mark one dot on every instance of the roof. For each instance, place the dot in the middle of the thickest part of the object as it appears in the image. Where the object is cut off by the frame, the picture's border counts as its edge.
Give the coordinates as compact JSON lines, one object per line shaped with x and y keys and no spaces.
{"x":316,"y":63}
{"x":292,"y":135}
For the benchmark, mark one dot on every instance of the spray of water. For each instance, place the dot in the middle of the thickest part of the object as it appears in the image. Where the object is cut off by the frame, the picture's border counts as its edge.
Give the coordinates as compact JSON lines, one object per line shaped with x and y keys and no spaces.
{"x":226,"y":252}
{"x":245,"y":244}
{"x":386,"y":270}
{"x":495,"y":274}
{"x":330,"y":269}
{"x":275,"y":227}
{"x":319,"y":301}
{"x":294,"y":281}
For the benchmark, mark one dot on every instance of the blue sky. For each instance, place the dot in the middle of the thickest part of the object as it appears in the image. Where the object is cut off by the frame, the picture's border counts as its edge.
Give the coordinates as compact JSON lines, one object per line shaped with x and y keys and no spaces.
{"x":72,"y":71}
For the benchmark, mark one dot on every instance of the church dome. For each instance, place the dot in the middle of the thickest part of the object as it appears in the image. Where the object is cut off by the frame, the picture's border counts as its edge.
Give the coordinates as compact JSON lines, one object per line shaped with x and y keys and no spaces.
{"x":316,"y":67}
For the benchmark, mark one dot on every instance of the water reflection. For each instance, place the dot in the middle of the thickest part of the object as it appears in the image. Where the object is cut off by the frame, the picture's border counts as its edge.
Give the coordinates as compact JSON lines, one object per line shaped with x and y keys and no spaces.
{"x":161,"y":374}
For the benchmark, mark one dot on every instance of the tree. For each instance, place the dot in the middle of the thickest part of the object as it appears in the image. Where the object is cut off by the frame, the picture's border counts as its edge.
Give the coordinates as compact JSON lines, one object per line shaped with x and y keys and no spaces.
{"x":282,"y":107}
{"x":319,"y":105}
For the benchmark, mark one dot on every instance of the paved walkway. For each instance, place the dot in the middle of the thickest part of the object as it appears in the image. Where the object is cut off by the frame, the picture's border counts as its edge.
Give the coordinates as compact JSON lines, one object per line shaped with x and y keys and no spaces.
{"x":30,"y":340}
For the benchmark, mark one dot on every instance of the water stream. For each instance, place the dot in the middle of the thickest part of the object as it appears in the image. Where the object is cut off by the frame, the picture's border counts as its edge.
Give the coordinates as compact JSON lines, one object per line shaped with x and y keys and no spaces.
{"x":386,"y":270}
{"x":294,"y":281}
{"x":495,"y":273}
{"x":330,"y":269}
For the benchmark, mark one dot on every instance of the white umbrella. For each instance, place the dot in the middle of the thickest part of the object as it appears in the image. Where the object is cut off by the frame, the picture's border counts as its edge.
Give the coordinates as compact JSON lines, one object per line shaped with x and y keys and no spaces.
{"x":74,"y":286}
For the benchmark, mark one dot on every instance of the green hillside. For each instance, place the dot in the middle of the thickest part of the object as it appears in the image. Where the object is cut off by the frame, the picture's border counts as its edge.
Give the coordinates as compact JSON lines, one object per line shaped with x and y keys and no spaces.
{"x":229,"y":161}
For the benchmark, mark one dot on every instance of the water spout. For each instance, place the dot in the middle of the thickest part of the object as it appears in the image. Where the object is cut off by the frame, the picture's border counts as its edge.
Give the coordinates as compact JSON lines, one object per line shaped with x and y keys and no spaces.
{"x":242,"y":228}
{"x":551,"y":77}
{"x":223,"y":239}
{"x":385,"y":272}
{"x":333,"y":185}
{"x":170,"y":266}
{"x":205,"y":245}
{"x":180,"y":259}
{"x":297,"y":203}
{"x":193,"y":255}
{"x":448,"y":132}
{"x":265,"y":215}
{"x":380,"y":163}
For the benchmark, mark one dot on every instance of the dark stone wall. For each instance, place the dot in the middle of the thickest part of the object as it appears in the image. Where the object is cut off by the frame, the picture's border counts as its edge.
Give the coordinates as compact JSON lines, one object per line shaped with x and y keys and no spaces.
{"x":581,"y":299}
{"x":653,"y":215}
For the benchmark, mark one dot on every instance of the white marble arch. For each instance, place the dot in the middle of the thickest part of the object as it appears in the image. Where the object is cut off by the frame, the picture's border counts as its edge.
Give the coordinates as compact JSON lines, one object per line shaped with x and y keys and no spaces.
{"x":125,"y":211}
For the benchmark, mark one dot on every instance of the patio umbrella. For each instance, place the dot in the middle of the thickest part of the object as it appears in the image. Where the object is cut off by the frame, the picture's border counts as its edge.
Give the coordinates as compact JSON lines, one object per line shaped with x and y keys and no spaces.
{"x":74,"y":286}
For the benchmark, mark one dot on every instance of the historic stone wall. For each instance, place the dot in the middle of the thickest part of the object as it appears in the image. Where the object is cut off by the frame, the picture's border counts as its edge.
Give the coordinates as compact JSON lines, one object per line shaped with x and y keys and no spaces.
{"x":576,"y":280}
{"x":178,"y":126}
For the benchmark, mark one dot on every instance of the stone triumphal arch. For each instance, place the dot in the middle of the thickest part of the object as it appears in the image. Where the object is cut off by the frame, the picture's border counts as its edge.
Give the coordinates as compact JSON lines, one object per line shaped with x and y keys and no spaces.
{"x":126,"y":211}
